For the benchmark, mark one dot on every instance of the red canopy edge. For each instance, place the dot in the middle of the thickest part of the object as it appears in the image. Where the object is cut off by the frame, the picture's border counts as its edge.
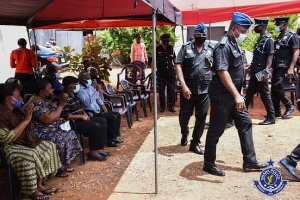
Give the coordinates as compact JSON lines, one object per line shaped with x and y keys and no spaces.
{"x":94,"y":24}
{"x":222,"y":14}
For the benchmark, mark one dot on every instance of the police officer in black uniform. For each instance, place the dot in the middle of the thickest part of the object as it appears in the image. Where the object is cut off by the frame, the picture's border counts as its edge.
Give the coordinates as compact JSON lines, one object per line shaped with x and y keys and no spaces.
{"x":285,"y":58}
{"x":261,"y":64}
{"x":166,"y":73}
{"x":193,"y":69}
{"x":226,"y":99}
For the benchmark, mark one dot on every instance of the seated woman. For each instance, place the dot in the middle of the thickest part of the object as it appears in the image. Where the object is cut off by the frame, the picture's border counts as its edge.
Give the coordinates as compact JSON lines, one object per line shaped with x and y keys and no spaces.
{"x":31,"y":158}
{"x":95,"y":127}
{"x":52,"y":76}
{"x":46,"y":118}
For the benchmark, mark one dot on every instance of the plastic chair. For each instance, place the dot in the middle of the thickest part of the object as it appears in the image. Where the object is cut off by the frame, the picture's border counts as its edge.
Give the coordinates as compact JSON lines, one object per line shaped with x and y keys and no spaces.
{"x":132,"y":73}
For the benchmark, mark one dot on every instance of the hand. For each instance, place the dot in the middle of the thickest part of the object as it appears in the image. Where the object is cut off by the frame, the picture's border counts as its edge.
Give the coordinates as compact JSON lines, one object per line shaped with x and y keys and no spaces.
{"x":85,"y":118}
{"x":266,"y":77}
{"x":186,"y":92}
{"x":29,"y":111}
{"x":290,"y":72}
{"x":240,"y":103}
{"x":104,"y":109}
{"x":63,"y":99}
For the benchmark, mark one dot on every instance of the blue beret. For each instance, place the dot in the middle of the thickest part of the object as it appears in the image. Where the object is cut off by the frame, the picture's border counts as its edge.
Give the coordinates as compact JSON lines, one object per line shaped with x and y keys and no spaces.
{"x":201,"y":28}
{"x":261,"y":21}
{"x":242,"y":20}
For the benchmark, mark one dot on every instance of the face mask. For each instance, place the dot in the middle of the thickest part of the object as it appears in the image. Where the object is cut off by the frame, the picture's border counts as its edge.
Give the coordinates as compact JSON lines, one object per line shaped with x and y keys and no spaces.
{"x":200,"y":40}
{"x":17,"y":104}
{"x":241,"y":37}
{"x":277,"y":29}
{"x":77,"y":89}
{"x":57,"y":75}
{"x":89,"y":83}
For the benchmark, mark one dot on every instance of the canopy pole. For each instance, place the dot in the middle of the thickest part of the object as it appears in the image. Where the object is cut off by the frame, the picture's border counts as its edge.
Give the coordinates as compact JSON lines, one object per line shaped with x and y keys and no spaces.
{"x":182,"y":34}
{"x":209,"y":32}
{"x":155,"y":96}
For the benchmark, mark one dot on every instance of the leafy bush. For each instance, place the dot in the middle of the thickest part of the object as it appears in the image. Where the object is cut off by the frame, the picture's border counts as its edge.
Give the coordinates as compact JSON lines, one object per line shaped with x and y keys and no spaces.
{"x":121,"y":39}
{"x":93,"y":52}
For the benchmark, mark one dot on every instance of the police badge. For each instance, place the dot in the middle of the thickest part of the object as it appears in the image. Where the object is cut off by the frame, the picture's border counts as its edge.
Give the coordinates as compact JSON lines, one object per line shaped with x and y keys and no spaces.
{"x":270,"y":181}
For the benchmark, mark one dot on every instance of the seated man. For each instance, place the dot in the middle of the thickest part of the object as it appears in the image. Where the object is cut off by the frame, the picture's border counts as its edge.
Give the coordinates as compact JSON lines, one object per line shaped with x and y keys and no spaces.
{"x":90,"y":100}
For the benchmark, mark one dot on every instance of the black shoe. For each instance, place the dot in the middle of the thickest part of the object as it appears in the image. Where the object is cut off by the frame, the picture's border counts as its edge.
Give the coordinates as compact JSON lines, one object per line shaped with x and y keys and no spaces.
{"x":112,"y":144}
{"x":184,"y":141}
{"x":289,"y":168}
{"x":214,"y":170}
{"x":106,"y":153}
{"x":172,"y":109}
{"x":162,"y":110}
{"x":267,"y":122}
{"x":278,"y":114}
{"x":229,"y":125}
{"x":96,"y":158}
{"x":289,"y":110}
{"x":196,"y":148}
{"x":118,"y":140}
{"x":247,"y":167}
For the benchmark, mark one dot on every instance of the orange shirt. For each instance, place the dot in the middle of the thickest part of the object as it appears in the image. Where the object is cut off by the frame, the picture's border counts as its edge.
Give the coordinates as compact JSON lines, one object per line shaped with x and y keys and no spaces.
{"x":23,"y":60}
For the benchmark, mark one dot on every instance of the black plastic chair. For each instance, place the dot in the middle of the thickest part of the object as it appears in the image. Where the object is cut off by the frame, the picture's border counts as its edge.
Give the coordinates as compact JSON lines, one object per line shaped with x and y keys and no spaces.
{"x":10,"y":175}
{"x":132,"y":73}
{"x":138,"y":94}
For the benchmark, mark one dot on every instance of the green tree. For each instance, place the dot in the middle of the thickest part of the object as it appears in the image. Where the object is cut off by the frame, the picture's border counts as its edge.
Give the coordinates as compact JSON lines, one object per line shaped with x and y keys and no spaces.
{"x":121,"y":39}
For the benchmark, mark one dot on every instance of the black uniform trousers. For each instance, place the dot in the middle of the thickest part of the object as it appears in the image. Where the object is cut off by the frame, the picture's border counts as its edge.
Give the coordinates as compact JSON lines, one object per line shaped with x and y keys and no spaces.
{"x":263,"y":88}
{"x":277,"y":90}
{"x":28,"y":82}
{"x":223,"y":107}
{"x":95,"y":129}
{"x":113,"y":120}
{"x":199,"y":102}
{"x":168,"y":82}
{"x":295,"y":155}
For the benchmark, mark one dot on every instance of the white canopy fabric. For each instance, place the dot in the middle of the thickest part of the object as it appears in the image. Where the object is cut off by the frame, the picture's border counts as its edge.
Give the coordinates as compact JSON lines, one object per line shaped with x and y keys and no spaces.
{"x":209,"y":11}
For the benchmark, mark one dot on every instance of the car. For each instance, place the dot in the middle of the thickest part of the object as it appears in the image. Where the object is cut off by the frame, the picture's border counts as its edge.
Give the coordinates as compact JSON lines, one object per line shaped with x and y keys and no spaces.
{"x":48,"y":55}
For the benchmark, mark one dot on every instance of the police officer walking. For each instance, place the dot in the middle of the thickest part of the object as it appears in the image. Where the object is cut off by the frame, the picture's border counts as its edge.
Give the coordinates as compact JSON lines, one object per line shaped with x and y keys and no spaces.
{"x":226,"y":99}
{"x":166,"y":73}
{"x":285,"y":58}
{"x":289,"y":163}
{"x":193,"y":69}
{"x":261,"y":65}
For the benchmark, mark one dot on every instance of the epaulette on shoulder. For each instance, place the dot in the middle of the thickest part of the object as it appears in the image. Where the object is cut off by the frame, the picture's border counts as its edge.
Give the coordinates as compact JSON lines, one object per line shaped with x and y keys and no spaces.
{"x":224,"y":40}
{"x":268,"y":35}
{"x":187,"y":43}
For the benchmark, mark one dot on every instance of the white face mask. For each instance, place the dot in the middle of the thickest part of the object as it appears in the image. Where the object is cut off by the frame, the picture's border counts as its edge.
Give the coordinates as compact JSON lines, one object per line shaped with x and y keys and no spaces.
{"x":77,"y":88}
{"x":89,"y":83}
{"x":241,"y":37}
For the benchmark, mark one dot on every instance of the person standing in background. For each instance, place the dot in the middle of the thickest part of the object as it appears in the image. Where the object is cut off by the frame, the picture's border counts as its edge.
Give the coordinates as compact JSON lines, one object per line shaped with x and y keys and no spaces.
{"x":138,"y":51}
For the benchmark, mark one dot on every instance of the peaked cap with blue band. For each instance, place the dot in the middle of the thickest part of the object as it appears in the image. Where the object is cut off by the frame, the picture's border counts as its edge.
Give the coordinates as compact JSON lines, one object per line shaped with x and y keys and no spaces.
{"x":242,"y":19}
{"x":201,"y":28}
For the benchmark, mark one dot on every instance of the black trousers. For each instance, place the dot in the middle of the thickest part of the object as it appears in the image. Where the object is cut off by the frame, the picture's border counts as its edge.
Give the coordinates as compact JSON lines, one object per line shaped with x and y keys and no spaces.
{"x":263,"y":88}
{"x":223,"y":107}
{"x":95,"y":129}
{"x":277,"y":90}
{"x":113,"y":120}
{"x":295,"y":155}
{"x":170,"y":83}
{"x":200,"y":103}
{"x":28,"y":82}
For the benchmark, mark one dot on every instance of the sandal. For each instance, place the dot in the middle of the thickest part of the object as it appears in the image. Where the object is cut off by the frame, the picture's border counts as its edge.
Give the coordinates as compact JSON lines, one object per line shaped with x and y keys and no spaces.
{"x":37,"y":196}
{"x":62,"y":173}
{"x":50,"y":191}
{"x":69,"y":169}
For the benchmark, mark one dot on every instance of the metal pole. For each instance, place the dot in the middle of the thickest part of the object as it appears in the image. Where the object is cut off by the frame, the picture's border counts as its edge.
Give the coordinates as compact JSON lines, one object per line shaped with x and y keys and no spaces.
{"x":182,"y":34}
{"x":155,"y":96}
{"x":209,"y":32}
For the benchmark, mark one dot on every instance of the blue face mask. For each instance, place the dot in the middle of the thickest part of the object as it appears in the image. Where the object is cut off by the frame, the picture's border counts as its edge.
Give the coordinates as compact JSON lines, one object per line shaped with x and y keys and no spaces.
{"x":17,"y":104}
{"x":277,"y":29}
{"x":77,"y":88}
{"x":89,"y":83}
{"x":57,"y":75}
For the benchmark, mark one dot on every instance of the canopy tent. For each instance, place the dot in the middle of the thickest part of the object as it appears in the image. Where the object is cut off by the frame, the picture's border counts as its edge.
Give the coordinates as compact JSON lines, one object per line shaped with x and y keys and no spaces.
{"x":196,"y":11}
{"x":33,"y":13}
{"x":93,"y":24}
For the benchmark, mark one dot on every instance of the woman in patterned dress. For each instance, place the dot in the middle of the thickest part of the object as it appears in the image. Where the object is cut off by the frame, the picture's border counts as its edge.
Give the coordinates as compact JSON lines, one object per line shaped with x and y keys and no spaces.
{"x":47,"y":121}
{"x":31,"y":158}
